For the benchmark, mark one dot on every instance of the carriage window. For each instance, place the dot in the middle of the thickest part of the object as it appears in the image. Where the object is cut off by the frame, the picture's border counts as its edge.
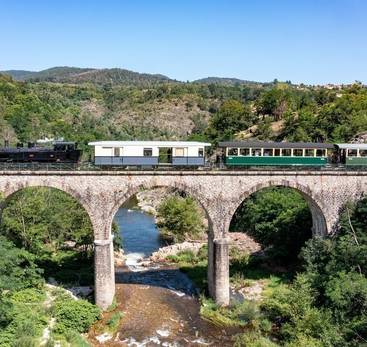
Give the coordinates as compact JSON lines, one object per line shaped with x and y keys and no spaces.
{"x":256,"y":152}
{"x":180,"y":152}
{"x":298,"y":152}
{"x":245,"y":151}
{"x":268,"y":152}
{"x":277,"y":152}
{"x":352,"y":152}
{"x":148,"y":152}
{"x":232,"y":151}
{"x":363,"y":152}
{"x":286,"y":152}
{"x":201,"y":152}
{"x":309,"y":152}
{"x":320,"y":153}
{"x":116,"y":151}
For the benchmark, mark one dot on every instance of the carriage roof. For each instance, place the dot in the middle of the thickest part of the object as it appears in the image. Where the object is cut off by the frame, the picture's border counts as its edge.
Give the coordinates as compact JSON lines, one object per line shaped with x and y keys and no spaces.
{"x":150,"y":143}
{"x":352,"y":145}
{"x":263,"y":144}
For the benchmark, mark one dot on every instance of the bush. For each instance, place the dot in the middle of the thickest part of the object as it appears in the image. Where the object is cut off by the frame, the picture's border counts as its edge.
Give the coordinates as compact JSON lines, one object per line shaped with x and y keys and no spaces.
{"x":253,"y":339}
{"x":74,"y":315}
{"x":25,"y":341}
{"x":238,"y":314}
{"x":24,"y":317}
{"x":183,"y":257}
{"x":28,"y":296}
{"x":17,"y":268}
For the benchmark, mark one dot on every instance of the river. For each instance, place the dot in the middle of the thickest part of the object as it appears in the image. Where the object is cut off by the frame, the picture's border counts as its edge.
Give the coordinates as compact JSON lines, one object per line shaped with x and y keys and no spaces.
{"x":159,"y":303}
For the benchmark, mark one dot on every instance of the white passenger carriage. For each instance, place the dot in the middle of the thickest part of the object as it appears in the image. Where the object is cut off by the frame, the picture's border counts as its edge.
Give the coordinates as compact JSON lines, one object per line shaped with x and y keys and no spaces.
{"x":149,"y":153}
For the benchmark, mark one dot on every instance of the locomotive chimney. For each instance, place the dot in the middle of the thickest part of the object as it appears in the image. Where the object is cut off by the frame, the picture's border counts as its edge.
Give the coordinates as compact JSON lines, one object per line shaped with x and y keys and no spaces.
{"x":6,"y":143}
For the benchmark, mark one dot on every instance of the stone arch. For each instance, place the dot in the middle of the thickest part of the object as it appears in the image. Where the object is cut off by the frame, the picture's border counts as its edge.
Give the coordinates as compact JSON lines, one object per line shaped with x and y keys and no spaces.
{"x":103,"y":249}
{"x":121,"y":198}
{"x":320,"y":226}
{"x":13,"y":189}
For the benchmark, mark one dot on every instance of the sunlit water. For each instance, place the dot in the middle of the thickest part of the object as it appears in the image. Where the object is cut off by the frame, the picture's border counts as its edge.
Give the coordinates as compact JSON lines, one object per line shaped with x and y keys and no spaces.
{"x":140,"y":236}
{"x":161,"y":306}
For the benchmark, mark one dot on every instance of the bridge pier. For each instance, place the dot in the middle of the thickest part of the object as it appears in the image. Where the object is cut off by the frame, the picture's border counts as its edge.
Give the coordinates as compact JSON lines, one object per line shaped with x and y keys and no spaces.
{"x":218,"y":270}
{"x":104,"y":273}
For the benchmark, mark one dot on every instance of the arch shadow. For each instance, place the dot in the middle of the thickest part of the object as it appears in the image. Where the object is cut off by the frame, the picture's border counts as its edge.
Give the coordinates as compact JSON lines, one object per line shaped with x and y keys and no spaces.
{"x":72,"y":262}
{"x":319,"y":223}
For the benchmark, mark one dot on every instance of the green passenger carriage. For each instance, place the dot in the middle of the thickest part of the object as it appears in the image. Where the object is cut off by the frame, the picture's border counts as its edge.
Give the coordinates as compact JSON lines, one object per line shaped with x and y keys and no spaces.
{"x":276,"y":153}
{"x":352,"y":154}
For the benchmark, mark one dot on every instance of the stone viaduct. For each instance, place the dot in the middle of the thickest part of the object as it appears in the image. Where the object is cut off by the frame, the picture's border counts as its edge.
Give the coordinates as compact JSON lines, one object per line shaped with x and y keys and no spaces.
{"x":220,"y":193}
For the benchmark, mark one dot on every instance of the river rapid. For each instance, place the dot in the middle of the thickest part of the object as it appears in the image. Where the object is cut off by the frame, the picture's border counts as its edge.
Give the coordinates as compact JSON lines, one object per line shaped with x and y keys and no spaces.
{"x":160,"y":304}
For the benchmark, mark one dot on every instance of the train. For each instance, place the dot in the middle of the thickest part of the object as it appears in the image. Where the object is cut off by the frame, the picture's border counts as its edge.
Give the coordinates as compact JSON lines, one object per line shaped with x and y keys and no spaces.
{"x":192,"y":154}
{"x":58,"y":152}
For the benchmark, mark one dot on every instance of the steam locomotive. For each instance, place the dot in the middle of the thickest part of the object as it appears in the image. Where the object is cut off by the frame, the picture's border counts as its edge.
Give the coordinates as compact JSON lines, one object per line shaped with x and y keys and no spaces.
{"x":58,"y":152}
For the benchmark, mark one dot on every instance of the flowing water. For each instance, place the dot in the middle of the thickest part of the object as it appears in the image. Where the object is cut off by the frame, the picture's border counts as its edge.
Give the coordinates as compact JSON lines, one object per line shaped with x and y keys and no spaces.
{"x":140,"y":236}
{"x":159,"y":303}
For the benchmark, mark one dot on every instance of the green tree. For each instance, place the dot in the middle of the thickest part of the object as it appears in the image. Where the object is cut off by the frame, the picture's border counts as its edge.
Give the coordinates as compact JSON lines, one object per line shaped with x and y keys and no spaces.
{"x":233,"y":116}
{"x":42,"y":219}
{"x":278,"y":218}
{"x":179,"y":219}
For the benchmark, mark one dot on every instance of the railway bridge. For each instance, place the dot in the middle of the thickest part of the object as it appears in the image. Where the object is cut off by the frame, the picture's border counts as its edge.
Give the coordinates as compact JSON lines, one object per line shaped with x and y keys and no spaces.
{"x":220,"y":193}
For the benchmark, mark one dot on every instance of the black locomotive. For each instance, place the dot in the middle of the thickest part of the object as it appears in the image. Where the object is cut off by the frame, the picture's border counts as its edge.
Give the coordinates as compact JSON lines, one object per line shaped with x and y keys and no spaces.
{"x":58,"y":152}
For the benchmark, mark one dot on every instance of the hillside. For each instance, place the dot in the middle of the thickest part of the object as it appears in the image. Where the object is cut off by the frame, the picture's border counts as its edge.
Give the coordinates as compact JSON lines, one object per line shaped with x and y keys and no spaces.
{"x":114,"y":76}
{"x":175,"y":111}
{"x":224,"y":81}
{"x":74,"y":75}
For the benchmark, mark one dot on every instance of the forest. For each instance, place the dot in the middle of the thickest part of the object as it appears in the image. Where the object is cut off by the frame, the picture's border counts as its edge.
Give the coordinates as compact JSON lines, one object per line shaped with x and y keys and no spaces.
{"x":45,"y":233}
{"x":172,"y":110}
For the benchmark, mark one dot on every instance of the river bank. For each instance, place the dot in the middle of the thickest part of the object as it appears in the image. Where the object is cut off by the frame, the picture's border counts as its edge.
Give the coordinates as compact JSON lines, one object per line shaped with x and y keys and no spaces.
{"x":157,"y":304}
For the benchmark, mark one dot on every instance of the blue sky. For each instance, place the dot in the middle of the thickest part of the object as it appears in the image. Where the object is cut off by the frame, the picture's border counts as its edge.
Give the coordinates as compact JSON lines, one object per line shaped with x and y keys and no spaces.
{"x":310,"y":41}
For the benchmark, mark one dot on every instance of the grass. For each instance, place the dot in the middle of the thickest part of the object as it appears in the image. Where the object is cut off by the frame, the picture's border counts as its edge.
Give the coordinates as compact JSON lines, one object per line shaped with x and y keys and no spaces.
{"x":114,"y":322}
{"x":113,"y":305}
{"x":193,"y":265}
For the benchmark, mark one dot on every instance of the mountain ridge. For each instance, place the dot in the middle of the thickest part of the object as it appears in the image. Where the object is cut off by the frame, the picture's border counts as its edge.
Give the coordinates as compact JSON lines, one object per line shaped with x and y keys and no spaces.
{"x":76,"y":75}
{"x":224,"y":81}
{"x":66,"y":74}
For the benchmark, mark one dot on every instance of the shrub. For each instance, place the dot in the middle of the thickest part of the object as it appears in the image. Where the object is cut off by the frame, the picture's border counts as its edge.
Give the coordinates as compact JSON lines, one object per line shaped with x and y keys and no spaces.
{"x":28,"y":296}
{"x":24,"y":341}
{"x":17,"y":267}
{"x":76,"y":315}
{"x":253,"y":339}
